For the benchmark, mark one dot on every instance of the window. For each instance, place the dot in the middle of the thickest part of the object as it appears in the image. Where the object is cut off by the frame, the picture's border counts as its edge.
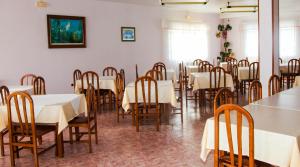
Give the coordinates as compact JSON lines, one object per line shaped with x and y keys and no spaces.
{"x":288,"y":41}
{"x":250,"y":35}
{"x":186,"y":41}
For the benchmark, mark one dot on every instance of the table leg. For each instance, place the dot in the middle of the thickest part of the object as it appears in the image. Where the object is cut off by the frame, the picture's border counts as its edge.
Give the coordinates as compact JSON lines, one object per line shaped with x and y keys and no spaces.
{"x":60,"y":145}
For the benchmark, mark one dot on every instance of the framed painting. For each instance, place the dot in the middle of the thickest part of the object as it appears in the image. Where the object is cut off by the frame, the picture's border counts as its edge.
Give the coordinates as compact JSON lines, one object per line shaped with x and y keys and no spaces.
{"x":128,"y":34}
{"x":66,"y":31}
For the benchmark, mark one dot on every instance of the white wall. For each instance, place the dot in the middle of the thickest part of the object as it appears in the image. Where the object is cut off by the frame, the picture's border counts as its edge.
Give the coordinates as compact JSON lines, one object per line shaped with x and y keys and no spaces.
{"x":24,"y":48}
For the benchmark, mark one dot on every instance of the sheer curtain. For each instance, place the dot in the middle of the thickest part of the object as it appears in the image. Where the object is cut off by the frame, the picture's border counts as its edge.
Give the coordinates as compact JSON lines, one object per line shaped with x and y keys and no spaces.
{"x":185,"y":41}
{"x":289,"y":37}
{"x":250,"y":36}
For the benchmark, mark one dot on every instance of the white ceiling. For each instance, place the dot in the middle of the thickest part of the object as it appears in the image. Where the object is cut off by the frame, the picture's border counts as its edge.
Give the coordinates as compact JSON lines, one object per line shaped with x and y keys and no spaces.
{"x":213,"y":6}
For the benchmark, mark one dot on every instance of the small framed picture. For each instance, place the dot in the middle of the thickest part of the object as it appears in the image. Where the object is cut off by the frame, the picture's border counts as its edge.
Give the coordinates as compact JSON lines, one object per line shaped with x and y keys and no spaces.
{"x":128,"y":34}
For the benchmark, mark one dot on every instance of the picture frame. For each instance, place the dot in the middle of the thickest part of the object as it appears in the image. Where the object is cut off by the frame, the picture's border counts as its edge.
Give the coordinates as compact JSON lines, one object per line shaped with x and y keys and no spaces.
{"x":66,"y":31}
{"x":128,"y":34}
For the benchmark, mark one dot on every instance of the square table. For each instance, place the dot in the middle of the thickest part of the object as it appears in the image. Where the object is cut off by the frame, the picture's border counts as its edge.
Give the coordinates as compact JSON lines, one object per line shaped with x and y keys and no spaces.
{"x":105,"y":82}
{"x":166,"y":94}
{"x":15,"y":88}
{"x":56,"y":109}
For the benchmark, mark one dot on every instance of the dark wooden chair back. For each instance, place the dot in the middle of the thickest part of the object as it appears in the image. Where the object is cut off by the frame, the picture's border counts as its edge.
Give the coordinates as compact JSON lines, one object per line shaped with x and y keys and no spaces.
{"x":76,"y":76}
{"x":197,"y":62}
{"x":91,"y":99}
{"x":280,"y":60}
{"x":223,"y":96}
{"x":243,"y":63}
{"x":110,"y":71}
{"x":293,"y":67}
{"x":162,"y":69}
{"x":39,"y":86}
{"x":255,"y":91}
{"x":217,"y":78}
{"x":122,"y":72}
{"x":4,"y":93}
{"x":231,"y":60}
{"x":120,"y":86}
{"x":136,"y":72}
{"x":254,"y":71}
{"x":89,"y":77}
{"x":205,"y":68}
{"x":146,"y":85}
{"x":226,"y":110}
{"x":201,"y":66}
{"x":157,"y":75}
{"x":159,"y":63}
{"x":235,"y":71}
{"x":274,"y":85}
{"x":27,"y":79}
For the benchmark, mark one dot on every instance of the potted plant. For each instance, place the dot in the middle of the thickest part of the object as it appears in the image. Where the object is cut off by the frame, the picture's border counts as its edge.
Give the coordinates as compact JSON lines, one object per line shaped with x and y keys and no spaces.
{"x":222,"y":33}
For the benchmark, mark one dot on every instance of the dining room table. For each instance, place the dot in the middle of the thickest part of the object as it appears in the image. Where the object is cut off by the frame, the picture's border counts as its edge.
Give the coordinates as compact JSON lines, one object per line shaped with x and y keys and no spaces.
{"x":276,"y":130}
{"x":15,"y":88}
{"x":191,"y":69}
{"x":52,"y":110}
{"x":105,"y":82}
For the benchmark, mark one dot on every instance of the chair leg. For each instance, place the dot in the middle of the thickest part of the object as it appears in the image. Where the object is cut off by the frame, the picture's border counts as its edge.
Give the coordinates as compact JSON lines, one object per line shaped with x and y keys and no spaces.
{"x":77,"y":133}
{"x":137,"y":121}
{"x":90,"y":140}
{"x":2,"y":143}
{"x":12,"y":155}
{"x":35,"y":155}
{"x":71,"y":135}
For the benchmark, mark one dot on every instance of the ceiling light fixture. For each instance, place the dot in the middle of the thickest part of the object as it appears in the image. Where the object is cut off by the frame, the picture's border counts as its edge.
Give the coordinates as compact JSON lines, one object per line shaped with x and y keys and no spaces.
{"x":173,"y":2}
{"x":41,"y":4}
{"x":250,"y":8}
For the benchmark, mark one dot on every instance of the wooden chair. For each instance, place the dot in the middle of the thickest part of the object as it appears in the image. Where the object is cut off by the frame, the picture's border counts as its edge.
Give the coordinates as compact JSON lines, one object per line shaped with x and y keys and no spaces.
{"x":119,"y":96}
{"x":243,"y":63}
{"x":23,"y":131}
{"x":88,"y":122}
{"x":162,"y":69}
{"x":144,"y":110}
{"x":180,"y":96}
{"x":39,"y":86}
{"x":231,"y":60}
{"x":91,"y":77}
{"x":76,"y":76}
{"x":27,"y":79}
{"x":274,"y":85}
{"x":136,"y":72}
{"x":253,"y":74}
{"x":157,"y":75}
{"x":189,"y":94}
{"x":110,"y":71}
{"x":236,"y":82}
{"x":220,"y":159}
{"x":229,"y":67}
{"x":255,"y":91}
{"x":293,"y":71}
{"x":4,"y":93}
{"x":122,"y":72}
{"x":223,"y":96}
{"x":197,"y":62}
{"x":280,"y":60}
{"x":205,"y":68}
{"x":159,"y":63}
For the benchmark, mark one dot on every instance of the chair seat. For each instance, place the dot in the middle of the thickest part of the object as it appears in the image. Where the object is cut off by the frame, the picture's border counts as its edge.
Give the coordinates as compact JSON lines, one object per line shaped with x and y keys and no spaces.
{"x":79,"y":120}
{"x":40,"y":130}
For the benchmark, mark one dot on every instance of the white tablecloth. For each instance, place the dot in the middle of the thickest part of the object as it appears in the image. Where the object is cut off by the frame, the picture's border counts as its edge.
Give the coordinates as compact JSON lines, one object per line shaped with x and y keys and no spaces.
{"x":191,"y":69}
{"x":15,"y":88}
{"x":297,"y":81}
{"x":276,"y":134}
{"x":201,"y":80}
{"x":171,"y":75}
{"x":166,"y":94}
{"x":105,"y":82}
{"x":52,"y":108}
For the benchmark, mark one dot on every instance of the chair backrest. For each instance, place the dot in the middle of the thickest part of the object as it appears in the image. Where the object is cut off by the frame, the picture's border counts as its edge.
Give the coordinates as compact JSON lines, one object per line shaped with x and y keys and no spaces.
{"x":146,"y":85}
{"x":255,"y":91}
{"x":122,"y":72}
{"x":197,"y":62}
{"x":120,"y":86}
{"x":20,"y":107}
{"x":27,"y":79}
{"x":235,"y":71}
{"x":162,"y":69}
{"x":254,"y":71}
{"x":76,"y":76}
{"x":110,"y":71}
{"x":39,"y":86}
{"x":136,"y":72}
{"x":231,"y":60}
{"x":243,"y":63}
{"x":4,"y":93}
{"x":205,"y":67}
{"x":159,"y":63}
{"x":157,"y":75}
{"x":89,"y":77}
{"x":293,"y":67}
{"x":274,"y":85}
{"x":91,"y":99}
{"x":223,"y":96}
{"x":229,"y":66}
{"x":217,"y":78}
{"x":280,"y":60}
{"x":226,"y":110}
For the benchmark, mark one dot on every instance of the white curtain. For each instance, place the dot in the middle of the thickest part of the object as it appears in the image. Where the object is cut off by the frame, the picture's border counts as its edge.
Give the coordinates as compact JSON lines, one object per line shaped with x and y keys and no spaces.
{"x":288,"y":40}
{"x":185,"y":41}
